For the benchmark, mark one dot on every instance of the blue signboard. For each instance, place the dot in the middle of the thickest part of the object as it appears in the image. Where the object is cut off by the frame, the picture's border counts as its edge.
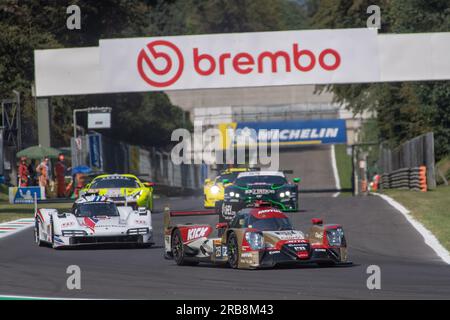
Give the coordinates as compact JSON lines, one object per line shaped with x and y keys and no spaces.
{"x":26,"y":194}
{"x":95,"y":151}
{"x":292,"y":132}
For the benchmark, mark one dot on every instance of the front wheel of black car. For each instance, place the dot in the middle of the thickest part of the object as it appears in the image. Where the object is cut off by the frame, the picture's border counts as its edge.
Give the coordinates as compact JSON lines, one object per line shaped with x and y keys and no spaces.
{"x":233,"y":250}
{"x":178,"y":250}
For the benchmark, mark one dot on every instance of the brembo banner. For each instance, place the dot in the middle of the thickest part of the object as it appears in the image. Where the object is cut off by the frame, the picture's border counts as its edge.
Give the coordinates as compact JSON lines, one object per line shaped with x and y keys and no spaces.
{"x":239,"y":60}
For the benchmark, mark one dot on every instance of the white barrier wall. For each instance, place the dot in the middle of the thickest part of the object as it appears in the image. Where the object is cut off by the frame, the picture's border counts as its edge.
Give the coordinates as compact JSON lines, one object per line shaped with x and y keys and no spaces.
{"x":415,"y":56}
{"x":126,"y":64}
{"x":67,"y":71}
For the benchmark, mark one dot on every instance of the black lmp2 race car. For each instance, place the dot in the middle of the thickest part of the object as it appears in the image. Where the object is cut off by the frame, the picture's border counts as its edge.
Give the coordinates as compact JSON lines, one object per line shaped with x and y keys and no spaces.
{"x":269,"y":186}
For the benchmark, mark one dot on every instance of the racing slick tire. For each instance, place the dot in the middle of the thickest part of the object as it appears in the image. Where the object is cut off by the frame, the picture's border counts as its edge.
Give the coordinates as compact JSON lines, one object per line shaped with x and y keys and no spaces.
{"x":233,"y":250}
{"x":178,"y":250}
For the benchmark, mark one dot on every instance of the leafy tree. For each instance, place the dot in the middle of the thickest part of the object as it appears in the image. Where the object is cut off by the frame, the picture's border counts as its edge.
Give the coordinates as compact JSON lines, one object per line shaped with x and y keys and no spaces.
{"x":41,"y":24}
{"x":407,"y":109}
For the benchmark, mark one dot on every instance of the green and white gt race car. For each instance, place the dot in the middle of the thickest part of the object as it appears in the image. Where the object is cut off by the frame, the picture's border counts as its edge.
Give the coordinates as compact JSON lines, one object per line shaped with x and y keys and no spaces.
{"x":268,"y":186}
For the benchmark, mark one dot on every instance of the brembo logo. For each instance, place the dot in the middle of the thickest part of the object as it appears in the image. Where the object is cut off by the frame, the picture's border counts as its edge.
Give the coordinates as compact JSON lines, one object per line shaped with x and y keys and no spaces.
{"x":161,"y":63}
{"x":158,"y":68}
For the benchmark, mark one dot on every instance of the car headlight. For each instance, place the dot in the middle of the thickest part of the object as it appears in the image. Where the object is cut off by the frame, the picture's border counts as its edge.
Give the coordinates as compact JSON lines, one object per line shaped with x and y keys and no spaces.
{"x":136,"y":231}
{"x":231,"y":194}
{"x":214,"y":189}
{"x":335,"y":237}
{"x":136,"y":194}
{"x":74,"y":233}
{"x":287,"y":193}
{"x":255,"y":240}
{"x":282,"y":194}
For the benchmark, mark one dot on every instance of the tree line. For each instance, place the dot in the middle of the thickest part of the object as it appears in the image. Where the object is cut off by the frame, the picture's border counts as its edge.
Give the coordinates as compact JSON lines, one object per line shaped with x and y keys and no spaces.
{"x":403,"y":109}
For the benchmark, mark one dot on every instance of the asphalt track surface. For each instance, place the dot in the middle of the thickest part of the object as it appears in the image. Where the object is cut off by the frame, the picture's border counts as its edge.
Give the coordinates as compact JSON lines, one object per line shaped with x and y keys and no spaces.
{"x":311,"y":164}
{"x":377,"y":235}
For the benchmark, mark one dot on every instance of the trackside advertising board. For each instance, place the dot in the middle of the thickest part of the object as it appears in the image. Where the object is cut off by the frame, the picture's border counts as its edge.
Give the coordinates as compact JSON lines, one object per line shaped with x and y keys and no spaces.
{"x":95,"y":151}
{"x":239,"y":60}
{"x":26,"y":194}
{"x":288,"y":133}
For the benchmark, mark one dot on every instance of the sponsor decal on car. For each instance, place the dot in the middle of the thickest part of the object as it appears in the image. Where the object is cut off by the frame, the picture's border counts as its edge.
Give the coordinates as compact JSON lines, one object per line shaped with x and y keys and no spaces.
{"x":259,"y":191}
{"x":318,"y":235}
{"x":90,"y":223}
{"x":195,"y":233}
{"x":287,"y":235}
{"x":67,"y":224}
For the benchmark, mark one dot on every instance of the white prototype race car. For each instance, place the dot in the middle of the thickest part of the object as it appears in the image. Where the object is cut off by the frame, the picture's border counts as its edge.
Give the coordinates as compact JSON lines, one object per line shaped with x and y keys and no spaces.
{"x":93,"y":220}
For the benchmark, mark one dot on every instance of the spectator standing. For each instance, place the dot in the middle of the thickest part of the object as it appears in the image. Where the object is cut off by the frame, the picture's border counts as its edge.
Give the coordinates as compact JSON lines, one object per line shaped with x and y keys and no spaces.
{"x":23,"y":173}
{"x":42,"y":171}
{"x":31,"y":173}
{"x":60,"y":173}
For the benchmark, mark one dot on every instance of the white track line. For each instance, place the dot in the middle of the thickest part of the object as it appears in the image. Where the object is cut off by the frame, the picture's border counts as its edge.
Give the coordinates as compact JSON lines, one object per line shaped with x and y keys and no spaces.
{"x":335,"y":171}
{"x":2,"y":297}
{"x":429,"y":238}
{"x":29,"y":221}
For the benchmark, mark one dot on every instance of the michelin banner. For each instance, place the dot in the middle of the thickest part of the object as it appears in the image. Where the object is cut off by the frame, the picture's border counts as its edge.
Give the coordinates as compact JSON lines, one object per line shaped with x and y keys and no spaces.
{"x":294,"y":132}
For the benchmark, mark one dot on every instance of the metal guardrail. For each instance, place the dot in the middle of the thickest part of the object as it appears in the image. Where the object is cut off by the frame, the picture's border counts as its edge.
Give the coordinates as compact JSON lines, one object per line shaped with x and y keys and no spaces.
{"x":406,"y":178}
{"x":411,"y":154}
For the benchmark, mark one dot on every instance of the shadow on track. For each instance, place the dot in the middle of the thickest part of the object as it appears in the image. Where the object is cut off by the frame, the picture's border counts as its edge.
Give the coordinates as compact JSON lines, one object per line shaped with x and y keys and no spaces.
{"x":95,"y":247}
{"x":277,"y":267}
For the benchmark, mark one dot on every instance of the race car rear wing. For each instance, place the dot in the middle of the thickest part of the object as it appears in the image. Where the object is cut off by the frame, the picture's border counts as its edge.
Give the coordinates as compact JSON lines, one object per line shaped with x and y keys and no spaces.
{"x":184,"y":213}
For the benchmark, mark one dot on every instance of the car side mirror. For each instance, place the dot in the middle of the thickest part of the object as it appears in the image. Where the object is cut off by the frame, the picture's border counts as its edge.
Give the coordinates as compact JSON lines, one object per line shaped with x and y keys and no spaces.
{"x":149,"y":184}
{"x":207,"y":181}
{"x":142,"y":211}
{"x":225,"y":181}
{"x":317,"y":221}
{"x":221,"y":225}
{"x":296,"y":180}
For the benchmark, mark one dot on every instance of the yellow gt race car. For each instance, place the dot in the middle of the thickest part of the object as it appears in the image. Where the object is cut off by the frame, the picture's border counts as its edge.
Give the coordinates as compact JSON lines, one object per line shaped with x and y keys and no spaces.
{"x":213,"y":189}
{"x":122,"y":189}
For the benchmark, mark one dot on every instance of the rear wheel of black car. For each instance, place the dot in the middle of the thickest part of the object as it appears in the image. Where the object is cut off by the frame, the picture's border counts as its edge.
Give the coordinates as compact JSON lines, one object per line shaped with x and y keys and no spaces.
{"x":178,"y":250}
{"x":233,"y":250}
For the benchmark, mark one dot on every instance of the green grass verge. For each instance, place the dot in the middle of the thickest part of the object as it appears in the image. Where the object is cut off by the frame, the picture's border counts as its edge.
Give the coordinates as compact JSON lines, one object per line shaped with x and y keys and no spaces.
{"x":443,"y":169}
{"x":344,"y":165}
{"x":10,"y":212}
{"x":431,"y":208}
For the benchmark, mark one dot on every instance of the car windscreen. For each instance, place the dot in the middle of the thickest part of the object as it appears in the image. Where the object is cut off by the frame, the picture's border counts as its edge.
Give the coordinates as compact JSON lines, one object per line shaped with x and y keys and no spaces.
{"x":229,"y":176}
{"x":269,"y":179}
{"x":96,"y":209}
{"x":269,"y":224}
{"x":119,"y":182}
